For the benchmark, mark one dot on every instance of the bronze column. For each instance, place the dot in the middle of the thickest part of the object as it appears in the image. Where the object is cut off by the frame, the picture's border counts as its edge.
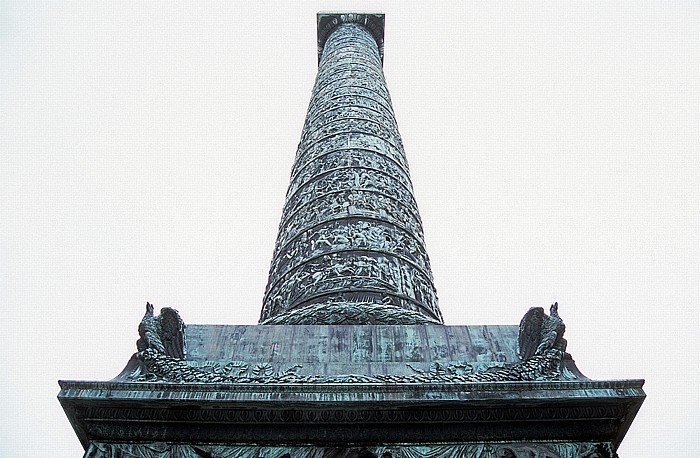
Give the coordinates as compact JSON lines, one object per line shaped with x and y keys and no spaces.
{"x":350,"y":247}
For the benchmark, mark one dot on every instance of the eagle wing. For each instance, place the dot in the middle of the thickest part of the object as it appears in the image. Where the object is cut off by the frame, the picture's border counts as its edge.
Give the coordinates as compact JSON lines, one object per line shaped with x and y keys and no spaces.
{"x":530,"y":332}
{"x":172,"y":333}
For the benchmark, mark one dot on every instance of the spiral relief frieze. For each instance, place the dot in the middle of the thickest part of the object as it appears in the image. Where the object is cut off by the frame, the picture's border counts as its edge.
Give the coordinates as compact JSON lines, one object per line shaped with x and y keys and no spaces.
{"x":350,"y":237}
{"x":353,"y":179}
{"x":354,"y":235}
{"x":348,"y":271}
{"x":349,"y":158}
{"x":338,"y":114}
{"x":350,"y":140}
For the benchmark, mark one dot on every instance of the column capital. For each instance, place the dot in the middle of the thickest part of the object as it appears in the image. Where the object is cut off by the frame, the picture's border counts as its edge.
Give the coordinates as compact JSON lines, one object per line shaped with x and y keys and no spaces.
{"x":327,"y":22}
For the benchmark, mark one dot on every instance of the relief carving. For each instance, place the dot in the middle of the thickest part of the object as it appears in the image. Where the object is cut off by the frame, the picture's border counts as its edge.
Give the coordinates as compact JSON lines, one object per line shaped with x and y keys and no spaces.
{"x":159,"y":366}
{"x":474,"y":450}
{"x":540,"y":332}
{"x":346,"y":272}
{"x":348,"y":158}
{"x":350,"y":171}
{"x":349,"y":113}
{"x":348,"y":140}
{"x":362,"y":100}
{"x":350,"y":179}
{"x":374,"y":207}
{"x":350,"y":69}
{"x":349,"y":125}
{"x":346,"y":235}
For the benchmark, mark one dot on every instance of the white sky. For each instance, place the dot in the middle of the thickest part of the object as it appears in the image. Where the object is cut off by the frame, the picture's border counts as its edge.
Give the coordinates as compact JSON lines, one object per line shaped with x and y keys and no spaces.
{"x":145,"y":151}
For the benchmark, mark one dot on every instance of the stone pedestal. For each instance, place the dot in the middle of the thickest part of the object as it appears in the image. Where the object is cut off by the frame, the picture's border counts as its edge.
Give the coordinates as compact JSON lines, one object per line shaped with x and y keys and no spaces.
{"x":346,"y":391}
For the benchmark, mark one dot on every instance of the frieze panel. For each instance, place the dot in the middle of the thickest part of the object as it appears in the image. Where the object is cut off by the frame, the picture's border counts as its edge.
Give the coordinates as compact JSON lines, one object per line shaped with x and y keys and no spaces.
{"x":348,"y":69}
{"x":349,"y":87}
{"x":349,"y":41}
{"x":345,"y":309}
{"x":346,"y":272}
{"x":351,"y":140}
{"x":345,"y":54}
{"x":344,"y":59}
{"x":354,"y":100}
{"x":158,"y":367}
{"x":347,"y":77}
{"x":350,"y":235}
{"x":344,"y":86}
{"x":346,"y":180}
{"x":327,"y":86}
{"x":348,"y":158}
{"x":349,"y":179}
{"x":365,"y":126}
{"x":350,"y":112}
{"x":349,"y":35}
{"x":351,"y":38}
{"x":340,"y":206}
{"x":367,"y":102}
{"x":348,"y":54}
{"x":469,"y":450}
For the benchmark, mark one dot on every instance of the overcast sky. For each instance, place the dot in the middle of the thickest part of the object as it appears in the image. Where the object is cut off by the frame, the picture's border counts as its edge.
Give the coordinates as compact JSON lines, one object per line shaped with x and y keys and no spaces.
{"x":145,"y":151}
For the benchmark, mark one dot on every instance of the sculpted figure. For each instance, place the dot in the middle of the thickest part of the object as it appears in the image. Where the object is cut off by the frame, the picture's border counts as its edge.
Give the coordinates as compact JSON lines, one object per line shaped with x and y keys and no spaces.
{"x":164,"y":333}
{"x":540,"y":332}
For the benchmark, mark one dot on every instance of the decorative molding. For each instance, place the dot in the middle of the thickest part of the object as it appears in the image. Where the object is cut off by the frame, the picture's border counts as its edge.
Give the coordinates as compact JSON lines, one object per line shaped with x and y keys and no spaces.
{"x":124,"y":383}
{"x":339,"y":312}
{"x":163,"y":368}
{"x":469,"y":450}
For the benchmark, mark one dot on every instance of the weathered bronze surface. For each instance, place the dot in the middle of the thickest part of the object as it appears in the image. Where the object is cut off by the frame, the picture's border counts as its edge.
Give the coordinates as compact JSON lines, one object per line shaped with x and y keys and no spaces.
{"x":351,"y":353}
{"x":350,"y":248}
{"x":351,"y":357}
{"x":271,"y":390}
{"x":503,"y":450}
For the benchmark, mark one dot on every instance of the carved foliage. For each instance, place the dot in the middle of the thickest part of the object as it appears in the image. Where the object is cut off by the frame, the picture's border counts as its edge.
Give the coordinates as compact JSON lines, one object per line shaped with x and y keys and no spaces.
{"x":162,"y":368}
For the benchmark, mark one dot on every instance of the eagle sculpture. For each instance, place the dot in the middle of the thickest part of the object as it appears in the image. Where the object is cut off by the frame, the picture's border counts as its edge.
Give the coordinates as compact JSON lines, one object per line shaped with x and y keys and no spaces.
{"x":164,"y":333}
{"x":540,"y":332}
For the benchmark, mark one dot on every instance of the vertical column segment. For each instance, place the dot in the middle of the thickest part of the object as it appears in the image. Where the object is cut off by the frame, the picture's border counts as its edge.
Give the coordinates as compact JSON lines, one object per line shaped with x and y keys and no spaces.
{"x":350,"y":247}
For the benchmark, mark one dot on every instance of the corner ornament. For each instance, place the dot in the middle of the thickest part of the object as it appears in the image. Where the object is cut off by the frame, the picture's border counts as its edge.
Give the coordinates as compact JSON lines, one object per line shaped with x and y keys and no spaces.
{"x":163,"y":334}
{"x":540,"y":333}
